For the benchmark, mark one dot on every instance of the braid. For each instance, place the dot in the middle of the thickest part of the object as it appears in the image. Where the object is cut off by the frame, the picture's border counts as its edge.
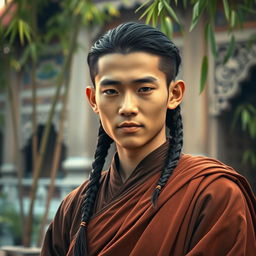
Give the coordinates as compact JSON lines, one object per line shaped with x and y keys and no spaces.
{"x":174,"y":123}
{"x":104,"y":142}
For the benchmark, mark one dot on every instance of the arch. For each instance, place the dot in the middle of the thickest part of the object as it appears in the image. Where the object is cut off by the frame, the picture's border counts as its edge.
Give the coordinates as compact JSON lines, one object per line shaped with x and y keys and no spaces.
{"x":27,"y":153}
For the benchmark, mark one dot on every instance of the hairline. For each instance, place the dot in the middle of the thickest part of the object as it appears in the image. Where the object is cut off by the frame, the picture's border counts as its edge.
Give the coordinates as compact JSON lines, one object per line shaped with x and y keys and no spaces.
{"x":126,"y":52}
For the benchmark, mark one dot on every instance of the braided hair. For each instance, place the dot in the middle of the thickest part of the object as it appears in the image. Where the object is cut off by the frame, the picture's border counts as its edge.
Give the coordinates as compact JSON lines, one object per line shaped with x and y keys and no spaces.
{"x":126,"y":38}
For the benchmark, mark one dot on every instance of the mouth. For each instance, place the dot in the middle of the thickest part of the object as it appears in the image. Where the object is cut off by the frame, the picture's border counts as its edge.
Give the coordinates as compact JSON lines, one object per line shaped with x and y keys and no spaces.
{"x":129,"y":127}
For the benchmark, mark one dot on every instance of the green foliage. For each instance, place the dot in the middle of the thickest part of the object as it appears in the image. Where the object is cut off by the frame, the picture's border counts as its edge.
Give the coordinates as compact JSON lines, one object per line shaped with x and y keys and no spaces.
{"x":10,"y":220}
{"x":245,"y":116}
{"x":204,"y":71}
{"x":27,"y":42}
{"x":165,"y":13}
{"x":160,"y":9}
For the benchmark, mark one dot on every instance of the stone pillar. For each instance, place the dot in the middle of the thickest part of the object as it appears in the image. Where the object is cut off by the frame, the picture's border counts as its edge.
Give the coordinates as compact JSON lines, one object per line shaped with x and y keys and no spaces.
{"x":81,"y":123}
{"x":8,"y":168}
{"x":194,"y":107}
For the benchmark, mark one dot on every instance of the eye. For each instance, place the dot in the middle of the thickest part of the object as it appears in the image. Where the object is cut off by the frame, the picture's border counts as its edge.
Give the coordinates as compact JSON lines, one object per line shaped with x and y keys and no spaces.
{"x":110,"y":92}
{"x":146,"y":89}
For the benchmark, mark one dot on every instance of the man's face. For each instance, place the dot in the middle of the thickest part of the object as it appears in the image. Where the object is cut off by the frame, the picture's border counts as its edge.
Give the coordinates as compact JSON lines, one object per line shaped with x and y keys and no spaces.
{"x":131,"y":97}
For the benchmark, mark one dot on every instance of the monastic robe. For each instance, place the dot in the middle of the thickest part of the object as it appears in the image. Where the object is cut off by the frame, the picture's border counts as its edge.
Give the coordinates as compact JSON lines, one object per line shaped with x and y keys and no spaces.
{"x":206,"y":208}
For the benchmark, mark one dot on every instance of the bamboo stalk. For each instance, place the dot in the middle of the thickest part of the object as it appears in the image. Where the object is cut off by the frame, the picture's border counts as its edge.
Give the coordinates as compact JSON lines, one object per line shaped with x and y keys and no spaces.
{"x":56,"y":159}
{"x":34,"y":97}
{"x":16,"y":146}
{"x":41,"y":154}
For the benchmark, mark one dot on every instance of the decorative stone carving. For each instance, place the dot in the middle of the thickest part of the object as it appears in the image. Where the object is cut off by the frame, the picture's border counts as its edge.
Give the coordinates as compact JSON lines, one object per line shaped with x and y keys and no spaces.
{"x":227,"y":77}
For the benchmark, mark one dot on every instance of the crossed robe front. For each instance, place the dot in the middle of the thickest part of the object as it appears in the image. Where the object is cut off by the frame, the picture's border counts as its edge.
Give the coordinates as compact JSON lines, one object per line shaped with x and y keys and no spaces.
{"x":206,"y":208}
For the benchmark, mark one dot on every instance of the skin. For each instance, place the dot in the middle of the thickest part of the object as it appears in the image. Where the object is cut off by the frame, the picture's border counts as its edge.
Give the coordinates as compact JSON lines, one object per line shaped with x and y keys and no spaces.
{"x":131,"y":98}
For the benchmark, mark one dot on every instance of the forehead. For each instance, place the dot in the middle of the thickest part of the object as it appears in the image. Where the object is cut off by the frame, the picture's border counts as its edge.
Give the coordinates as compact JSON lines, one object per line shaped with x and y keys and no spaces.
{"x":129,"y":65}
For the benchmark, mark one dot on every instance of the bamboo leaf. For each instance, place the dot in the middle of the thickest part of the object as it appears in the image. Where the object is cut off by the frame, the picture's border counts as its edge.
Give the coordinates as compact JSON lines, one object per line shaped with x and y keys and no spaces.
{"x":226,"y":9}
{"x":169,"y":27}
{"x":233,"y":19}
{"x":147,"y":11}
{"x":33,"y":51}
{"x":230,"y":50}
{"x":154,"y":17}
{"x":12,"y":30}
{"x":252,"y":109}
{"x":185,"y":3}
{"x":245,"y":119}
{"x":21,"y":31}
{"x":25,"y":55}
{"x":247,"y":9}
{"x":27,"y":32}
{"x":204,"y":72}
{"x":79,"y":7}
{"x":149,"y":15}
{"x":171,"y":11}
{"x":160,"y":7}
{"x":195,"y":16}
{"x":163,"y":25}
{"x":252,"y":128}
{"x":206,"y":31}
{"x":142,"y":6}
{"x":197,"y":12}
{"x":211,"y":38}
{"x":212,"y":9}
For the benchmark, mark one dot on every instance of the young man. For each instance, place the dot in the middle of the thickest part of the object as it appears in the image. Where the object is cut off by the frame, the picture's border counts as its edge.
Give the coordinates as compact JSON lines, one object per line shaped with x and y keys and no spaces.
{"x":153,"y":200}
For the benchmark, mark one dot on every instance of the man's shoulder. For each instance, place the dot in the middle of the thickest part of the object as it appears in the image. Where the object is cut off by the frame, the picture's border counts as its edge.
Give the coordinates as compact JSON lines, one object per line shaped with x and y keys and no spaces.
{"x":202,"y":171}
{"x":202,"y":159}
{"x":78,"y":193}
{"x":197,"y":165}
{"x":213,"y":175}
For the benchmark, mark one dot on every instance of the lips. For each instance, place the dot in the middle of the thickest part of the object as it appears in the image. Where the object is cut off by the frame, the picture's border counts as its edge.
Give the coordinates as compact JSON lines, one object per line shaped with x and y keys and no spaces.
{"x":129,"y":124}
{"x":129,"y":127}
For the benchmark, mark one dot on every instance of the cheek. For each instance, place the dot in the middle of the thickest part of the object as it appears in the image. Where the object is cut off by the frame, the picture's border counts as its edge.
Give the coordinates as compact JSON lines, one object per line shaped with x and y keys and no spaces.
{"x":106,"y":109}
{"x":157,"y":108}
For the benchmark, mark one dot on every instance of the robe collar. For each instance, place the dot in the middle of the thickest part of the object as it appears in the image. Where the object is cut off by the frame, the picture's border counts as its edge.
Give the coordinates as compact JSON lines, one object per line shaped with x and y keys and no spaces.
{"x":112,"y":185}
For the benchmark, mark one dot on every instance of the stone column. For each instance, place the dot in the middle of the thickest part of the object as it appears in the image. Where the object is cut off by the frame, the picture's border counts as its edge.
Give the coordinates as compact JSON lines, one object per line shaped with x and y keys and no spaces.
{"x":194,"y":107}
{"x":81,"y":123}
{"x":8,"y":168}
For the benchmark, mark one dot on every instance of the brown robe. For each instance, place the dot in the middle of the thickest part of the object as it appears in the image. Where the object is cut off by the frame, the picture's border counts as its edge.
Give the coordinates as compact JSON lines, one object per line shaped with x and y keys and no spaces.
{"x":206,"y":208}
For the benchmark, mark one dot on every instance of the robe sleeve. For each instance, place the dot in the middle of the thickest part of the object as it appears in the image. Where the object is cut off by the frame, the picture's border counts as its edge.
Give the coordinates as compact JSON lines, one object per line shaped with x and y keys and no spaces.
{"x":56,"y":239}
{"x":222,"y":223}
{"x":64,"y":226}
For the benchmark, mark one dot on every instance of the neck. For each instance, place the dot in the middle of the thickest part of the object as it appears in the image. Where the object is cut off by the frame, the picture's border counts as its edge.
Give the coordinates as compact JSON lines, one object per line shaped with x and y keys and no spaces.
{"x":130,"y":158}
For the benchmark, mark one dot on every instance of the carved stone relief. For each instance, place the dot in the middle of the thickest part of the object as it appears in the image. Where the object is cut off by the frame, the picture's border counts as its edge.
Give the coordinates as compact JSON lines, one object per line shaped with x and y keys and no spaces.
{"x":227,"y":77}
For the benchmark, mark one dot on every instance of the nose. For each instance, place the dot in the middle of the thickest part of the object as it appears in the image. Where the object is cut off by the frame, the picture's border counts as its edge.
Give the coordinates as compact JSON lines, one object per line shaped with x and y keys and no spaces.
{"x":128,"y":106}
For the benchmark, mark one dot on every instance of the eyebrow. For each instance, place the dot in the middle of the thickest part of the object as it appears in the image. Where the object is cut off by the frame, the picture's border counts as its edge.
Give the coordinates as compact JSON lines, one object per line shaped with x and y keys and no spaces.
{"x":143,"y":80}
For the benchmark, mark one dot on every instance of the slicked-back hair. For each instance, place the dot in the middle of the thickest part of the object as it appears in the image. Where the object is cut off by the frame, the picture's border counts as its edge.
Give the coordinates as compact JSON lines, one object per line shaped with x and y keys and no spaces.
{"x":128,"y":38}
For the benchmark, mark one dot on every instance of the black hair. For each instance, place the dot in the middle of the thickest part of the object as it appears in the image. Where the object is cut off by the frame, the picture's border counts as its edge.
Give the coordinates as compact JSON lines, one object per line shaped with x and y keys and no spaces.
{"x":126,"y":38}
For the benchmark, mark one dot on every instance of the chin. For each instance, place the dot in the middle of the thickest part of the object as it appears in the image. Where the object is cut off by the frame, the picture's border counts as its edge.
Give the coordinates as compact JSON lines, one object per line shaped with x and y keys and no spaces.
{"x":131,"y":143}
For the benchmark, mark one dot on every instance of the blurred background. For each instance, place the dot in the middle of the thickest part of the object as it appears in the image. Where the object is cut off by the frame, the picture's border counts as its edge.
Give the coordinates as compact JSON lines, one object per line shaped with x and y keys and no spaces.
{"x":48,"y":132}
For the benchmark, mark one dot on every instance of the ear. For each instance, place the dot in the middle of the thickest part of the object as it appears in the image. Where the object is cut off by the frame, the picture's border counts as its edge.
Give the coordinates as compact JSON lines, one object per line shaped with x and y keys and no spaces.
{"x":176,"y":93}
{"x":90,"y":93}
